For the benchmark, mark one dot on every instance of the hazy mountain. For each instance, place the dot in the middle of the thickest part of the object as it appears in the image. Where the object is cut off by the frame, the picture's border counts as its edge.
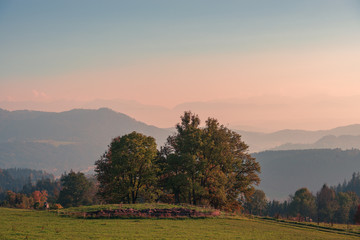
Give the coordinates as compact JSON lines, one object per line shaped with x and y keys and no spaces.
{"x":264,"y":113}
{"x":61,"y":141}
{"x":283,"y":172}
{"x":79,"y":125}
{"x":341,"y":137}
{"x":329,"y":141}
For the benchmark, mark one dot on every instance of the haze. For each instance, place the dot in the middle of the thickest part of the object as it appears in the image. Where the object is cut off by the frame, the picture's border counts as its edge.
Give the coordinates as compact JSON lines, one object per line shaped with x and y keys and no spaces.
{"x":256,"y":65}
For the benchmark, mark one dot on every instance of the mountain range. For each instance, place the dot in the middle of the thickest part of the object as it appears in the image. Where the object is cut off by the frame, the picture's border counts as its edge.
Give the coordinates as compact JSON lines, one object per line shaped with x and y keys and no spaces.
{"x":58,"y":142}
{"x":75,"y":139}
{"x":344,"y":137}
{"x":263,"y":113}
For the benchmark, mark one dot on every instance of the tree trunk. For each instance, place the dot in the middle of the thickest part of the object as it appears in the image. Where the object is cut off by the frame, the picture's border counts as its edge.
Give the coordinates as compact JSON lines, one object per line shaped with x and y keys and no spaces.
{"x":193,"y":191}
{"x":133,"y":198}
{"x":177,"y":197}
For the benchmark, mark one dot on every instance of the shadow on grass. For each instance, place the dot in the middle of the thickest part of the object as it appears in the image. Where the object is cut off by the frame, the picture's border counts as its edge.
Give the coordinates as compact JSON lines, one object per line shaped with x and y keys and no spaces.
{"x":310,"y":226}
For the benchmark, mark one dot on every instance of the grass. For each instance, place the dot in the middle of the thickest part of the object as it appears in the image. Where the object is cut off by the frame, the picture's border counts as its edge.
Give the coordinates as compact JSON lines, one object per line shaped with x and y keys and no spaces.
{"x":32,"y":224}
{"x":350,"y":227}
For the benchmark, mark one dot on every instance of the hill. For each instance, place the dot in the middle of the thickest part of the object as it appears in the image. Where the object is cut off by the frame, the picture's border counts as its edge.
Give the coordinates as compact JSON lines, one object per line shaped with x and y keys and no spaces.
{"x":62,"y":141}
{"x":283,"y":172}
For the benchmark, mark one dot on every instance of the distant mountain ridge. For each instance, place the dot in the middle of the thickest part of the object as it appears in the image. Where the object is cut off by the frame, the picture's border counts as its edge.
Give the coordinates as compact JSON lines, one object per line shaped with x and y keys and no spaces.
{"x":78,"y":125}
{"x":62,"y":141}
{"x":329,"y":141}
{"x":340,"y":137}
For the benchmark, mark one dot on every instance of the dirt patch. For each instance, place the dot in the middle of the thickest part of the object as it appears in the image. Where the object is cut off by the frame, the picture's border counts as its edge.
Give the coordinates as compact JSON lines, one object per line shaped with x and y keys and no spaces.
{"x":147,"y":213}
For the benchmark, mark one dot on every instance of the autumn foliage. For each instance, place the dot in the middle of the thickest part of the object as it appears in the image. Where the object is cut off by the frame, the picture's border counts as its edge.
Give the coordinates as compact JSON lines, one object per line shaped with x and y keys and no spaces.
{"x":21,"y":200}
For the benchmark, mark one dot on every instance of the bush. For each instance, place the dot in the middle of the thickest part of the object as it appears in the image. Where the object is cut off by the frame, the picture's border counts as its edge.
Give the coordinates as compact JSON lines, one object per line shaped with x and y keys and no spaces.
{"x":56,"y":206}
{"x":167,"y":198}
{"x":36,"y":205}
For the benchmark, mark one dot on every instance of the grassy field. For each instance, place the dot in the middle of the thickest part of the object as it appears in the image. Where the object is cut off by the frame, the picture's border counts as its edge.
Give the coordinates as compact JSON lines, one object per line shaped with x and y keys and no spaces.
{"x":32,"y":224}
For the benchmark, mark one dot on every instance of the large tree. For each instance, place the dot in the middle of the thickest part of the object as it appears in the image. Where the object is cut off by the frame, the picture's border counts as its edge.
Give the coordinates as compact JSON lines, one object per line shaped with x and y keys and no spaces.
{"x":345,"y":203}
{"x":209,"y":165}
{"x":181,"y":157}
{"x":127,"y":170}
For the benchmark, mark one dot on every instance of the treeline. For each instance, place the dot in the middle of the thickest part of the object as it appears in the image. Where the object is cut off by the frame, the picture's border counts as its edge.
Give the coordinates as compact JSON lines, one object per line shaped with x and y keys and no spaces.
{"x":14,"y":179}
{"x":331,"y":204}
{"x":353,"y":185}
{"x":73,"y":189}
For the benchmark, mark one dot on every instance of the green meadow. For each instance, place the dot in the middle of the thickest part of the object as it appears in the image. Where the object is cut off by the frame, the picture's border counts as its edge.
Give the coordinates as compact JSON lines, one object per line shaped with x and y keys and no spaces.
{"x":34,"y":224}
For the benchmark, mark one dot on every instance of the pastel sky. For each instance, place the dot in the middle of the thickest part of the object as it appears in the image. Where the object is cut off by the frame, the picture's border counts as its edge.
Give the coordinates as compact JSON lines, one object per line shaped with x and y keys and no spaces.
{"x":166,"y":53}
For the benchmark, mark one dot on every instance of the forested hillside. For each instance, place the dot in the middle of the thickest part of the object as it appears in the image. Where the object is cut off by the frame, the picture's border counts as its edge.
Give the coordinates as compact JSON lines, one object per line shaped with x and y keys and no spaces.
{"x":15,"y":178}
{"x":62,"y":141}
{"x":284,"y":171}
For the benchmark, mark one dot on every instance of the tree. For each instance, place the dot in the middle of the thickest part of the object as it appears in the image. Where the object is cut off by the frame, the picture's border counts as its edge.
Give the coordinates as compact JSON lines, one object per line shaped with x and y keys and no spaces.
{"x":357,"y":215}
{"x":75,"y":190}
{"x":40,"y":197}
{"x":257,"y":203}
{"x":127,"y":171}
{"x":345,"y":203}
{"x":303,"y":203}
{"x":230,"y":172}
{"x":181,"y":155}
{"x":354,"y":205}
{"x":326,"y":204}
{"x":276,"y":209}
{"x":208,"y":165}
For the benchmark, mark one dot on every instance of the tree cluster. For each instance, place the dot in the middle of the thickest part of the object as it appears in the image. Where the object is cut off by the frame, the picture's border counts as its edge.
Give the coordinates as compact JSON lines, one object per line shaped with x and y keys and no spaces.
{"x":52,"y":187}
{"x":198,"y":165}
{"x":73,"y":189}
{"x":326,"y":206}
{"x":34,"y":200}
{"x":353,"y":185}
{"x":15,"y":178}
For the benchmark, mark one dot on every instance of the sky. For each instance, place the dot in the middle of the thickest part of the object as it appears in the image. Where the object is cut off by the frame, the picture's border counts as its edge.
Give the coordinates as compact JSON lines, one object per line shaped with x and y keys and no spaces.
{"x":255,"y":64}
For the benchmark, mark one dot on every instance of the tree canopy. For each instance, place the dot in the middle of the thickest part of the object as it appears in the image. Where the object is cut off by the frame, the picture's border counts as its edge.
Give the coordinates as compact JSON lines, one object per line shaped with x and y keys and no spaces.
{"x":127,"y":170}
{"x":76,"y":189}
{"x":257,"y":203}
{"x":303,"y":203}
{"x":209,"y":165}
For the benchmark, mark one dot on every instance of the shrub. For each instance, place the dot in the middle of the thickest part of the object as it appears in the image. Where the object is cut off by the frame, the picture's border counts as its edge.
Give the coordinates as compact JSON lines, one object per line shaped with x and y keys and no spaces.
{"x":57,"y":206}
